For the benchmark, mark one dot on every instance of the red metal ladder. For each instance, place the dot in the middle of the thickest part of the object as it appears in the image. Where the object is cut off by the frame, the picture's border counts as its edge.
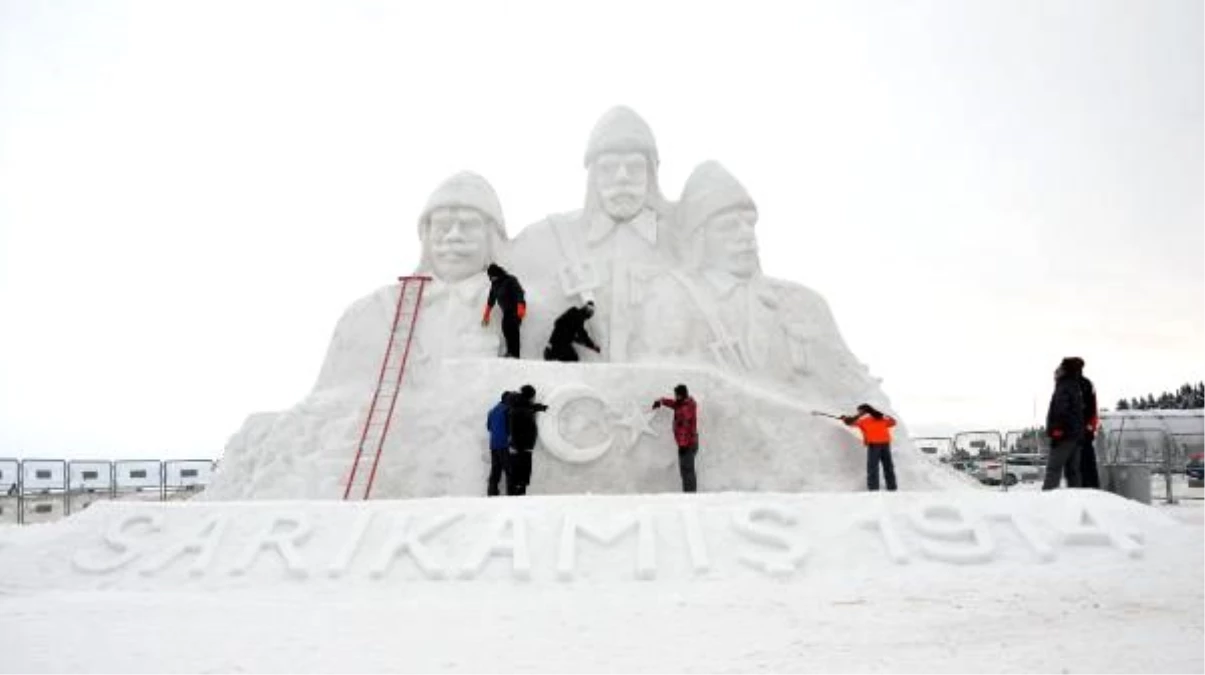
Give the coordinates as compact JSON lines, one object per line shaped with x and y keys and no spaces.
{"x":389,"y":385}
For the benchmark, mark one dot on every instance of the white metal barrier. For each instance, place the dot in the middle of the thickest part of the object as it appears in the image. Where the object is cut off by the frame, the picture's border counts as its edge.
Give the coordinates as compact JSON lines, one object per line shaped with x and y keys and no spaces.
{"x":42,"y":490}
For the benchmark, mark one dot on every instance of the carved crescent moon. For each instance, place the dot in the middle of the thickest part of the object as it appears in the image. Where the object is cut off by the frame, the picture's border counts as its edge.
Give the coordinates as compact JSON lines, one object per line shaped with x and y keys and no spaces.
{"x":549,"y":424}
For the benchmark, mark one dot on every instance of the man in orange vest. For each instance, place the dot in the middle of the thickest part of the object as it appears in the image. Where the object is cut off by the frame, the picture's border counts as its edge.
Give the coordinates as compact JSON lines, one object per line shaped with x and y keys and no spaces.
{"x":876,"y":433}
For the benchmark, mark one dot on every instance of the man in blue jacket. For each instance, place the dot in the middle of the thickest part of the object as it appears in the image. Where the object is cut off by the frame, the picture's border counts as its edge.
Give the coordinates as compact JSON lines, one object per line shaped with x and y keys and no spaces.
{"x":498,"y":424}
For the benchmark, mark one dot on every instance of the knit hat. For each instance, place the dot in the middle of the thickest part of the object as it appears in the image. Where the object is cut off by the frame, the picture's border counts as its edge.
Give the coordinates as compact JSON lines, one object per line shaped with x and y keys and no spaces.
{"x":1072,"y":365}
{"x":465,"y":189}
{"x":709,"y":190}
{"x":620,"y":129}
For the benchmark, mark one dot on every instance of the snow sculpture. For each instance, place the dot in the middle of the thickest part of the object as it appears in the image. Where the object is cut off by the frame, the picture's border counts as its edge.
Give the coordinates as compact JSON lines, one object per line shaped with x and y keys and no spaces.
{"x":461,"y":228}
{"x":737,"y":318}
{"x":607,"y":251}
{"x":680,"y":297}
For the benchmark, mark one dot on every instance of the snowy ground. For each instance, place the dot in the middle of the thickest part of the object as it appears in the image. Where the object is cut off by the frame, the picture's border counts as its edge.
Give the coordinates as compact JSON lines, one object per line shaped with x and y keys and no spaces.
{"x":729,"y":582}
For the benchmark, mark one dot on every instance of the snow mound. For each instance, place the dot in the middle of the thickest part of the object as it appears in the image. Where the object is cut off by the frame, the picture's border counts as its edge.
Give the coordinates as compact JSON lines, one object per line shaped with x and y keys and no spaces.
{"x":948,"y":581}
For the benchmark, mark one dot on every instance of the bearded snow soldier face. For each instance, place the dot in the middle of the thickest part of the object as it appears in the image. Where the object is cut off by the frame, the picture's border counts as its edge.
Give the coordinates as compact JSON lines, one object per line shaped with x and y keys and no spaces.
{"x":458,"y":242}
{"x":731,"y":245}
{"x":622,"y":181}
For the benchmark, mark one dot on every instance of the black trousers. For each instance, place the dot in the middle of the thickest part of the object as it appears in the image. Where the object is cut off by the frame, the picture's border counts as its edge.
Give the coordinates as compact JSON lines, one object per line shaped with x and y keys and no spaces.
{"x":1064,"y":457}
{"x":510,"y":333}
{"x":686,"y":467}
{"x":498,"y":463}
{"x":555,"y":352}
{"x":876,"y":454}
{"x":1089,"y":475}
{"x":518,"y":474}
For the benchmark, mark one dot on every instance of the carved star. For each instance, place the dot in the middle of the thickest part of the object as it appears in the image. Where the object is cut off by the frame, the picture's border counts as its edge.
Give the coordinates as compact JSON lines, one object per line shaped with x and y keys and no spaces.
{"x":636,"y":422}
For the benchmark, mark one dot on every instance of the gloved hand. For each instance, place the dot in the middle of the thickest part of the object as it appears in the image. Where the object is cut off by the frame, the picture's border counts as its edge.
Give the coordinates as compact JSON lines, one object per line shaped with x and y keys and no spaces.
{"x":597,"y":349}
{"x":485,"y":318}
{"x":522,"y":310}
{"x":656,"y":404}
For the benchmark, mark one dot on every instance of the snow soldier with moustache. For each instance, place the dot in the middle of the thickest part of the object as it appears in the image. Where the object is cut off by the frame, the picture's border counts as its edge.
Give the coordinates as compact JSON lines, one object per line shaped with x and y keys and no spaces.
{"x":606,"y":252}
{"x":721,"y":310}
{"x":461,"y":228}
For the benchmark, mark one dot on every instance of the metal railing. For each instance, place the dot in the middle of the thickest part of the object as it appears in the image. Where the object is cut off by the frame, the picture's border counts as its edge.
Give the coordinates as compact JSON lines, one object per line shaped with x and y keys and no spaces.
{"x":1019,"y":457}
{"x":42,"y":490}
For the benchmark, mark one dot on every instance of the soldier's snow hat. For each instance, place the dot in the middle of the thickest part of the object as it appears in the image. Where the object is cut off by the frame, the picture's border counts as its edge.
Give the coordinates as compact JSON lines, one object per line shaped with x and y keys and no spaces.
{"x":620,"y":129}
{"x":709,"y":190}
{"x":465,"y":189}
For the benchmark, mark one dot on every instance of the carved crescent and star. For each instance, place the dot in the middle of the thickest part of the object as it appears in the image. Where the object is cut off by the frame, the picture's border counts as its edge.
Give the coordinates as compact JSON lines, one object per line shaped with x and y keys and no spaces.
{"x":622,"y":429}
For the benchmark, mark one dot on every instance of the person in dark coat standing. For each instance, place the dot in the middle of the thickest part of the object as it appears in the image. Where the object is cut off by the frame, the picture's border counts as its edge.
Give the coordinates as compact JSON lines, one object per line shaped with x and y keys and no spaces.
{"x":569,"y":328}
{"x":507,"y":293}
{"x":686,"y":433}
{"x":498,"y":424}
{"x":1088,"y":472}
{"x":523,"y":435}
{"x":1065,"y":425}
{"x":876,"y":435}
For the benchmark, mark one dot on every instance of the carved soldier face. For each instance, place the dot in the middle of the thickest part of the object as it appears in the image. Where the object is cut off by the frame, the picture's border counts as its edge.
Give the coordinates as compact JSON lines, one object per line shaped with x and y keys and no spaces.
{"x":730,"y":244}
{"x":622,"y":181}
{"x":457,"y":242}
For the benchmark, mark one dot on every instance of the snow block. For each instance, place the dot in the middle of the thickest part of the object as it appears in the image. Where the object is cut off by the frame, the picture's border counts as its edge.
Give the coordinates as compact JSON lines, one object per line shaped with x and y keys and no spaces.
{"x":599,"y":435}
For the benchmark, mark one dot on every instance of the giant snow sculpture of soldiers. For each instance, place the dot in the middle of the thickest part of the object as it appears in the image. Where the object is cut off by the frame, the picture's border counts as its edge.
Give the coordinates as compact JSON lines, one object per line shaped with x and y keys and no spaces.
{"x":721,"y":310}
{"x":461,"y":228}
{"x":606,"y":252}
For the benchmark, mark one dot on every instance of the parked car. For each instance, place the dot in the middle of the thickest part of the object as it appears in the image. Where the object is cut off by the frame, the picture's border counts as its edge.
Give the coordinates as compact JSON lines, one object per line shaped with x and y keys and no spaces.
{"x":1195,"y":470}
{"x":1018,"y":468}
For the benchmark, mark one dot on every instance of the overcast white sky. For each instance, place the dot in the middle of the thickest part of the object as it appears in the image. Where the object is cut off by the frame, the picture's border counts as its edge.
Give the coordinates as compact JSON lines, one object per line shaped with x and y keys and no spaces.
{"x":192,"y":192}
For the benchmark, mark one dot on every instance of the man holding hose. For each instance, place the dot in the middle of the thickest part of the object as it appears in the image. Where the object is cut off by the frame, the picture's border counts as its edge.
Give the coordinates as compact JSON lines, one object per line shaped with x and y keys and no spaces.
{"x":876,"y":434}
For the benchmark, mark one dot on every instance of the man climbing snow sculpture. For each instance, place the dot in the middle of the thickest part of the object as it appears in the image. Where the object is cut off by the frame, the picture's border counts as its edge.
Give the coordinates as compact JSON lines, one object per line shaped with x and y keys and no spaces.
{"x":570,"y":329}
{"x":507,"y":293}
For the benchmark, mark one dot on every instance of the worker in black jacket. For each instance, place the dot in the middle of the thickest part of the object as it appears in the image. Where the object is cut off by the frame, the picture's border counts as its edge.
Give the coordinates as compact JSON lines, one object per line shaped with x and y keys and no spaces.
{"x":523,"y":435}
{"x":569,"y":328}
{"x":1065,"y":425}
{"x":507,"y":293}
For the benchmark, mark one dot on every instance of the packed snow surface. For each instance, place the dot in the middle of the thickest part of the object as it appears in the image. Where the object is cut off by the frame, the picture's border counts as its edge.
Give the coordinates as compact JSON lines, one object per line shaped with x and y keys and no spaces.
{"x":1070,"y":581}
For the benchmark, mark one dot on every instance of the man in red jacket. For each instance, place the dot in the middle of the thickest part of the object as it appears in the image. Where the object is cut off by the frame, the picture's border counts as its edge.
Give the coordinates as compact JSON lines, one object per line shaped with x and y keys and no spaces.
{"x":686,"y":433}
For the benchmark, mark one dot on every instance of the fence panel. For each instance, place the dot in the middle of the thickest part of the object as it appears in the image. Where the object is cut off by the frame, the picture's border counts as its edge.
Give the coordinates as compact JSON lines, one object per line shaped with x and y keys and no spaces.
{"x":184,"y":477}
{"x":43,"y":490}
{"x":42,"y":476}
{"x":979,"y":443}
{"x":10,"y":487}
{"x":43,"y":507}
{"x":138,"y":479}
{"x":935,"y":446}
{"x":88,"y":481}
